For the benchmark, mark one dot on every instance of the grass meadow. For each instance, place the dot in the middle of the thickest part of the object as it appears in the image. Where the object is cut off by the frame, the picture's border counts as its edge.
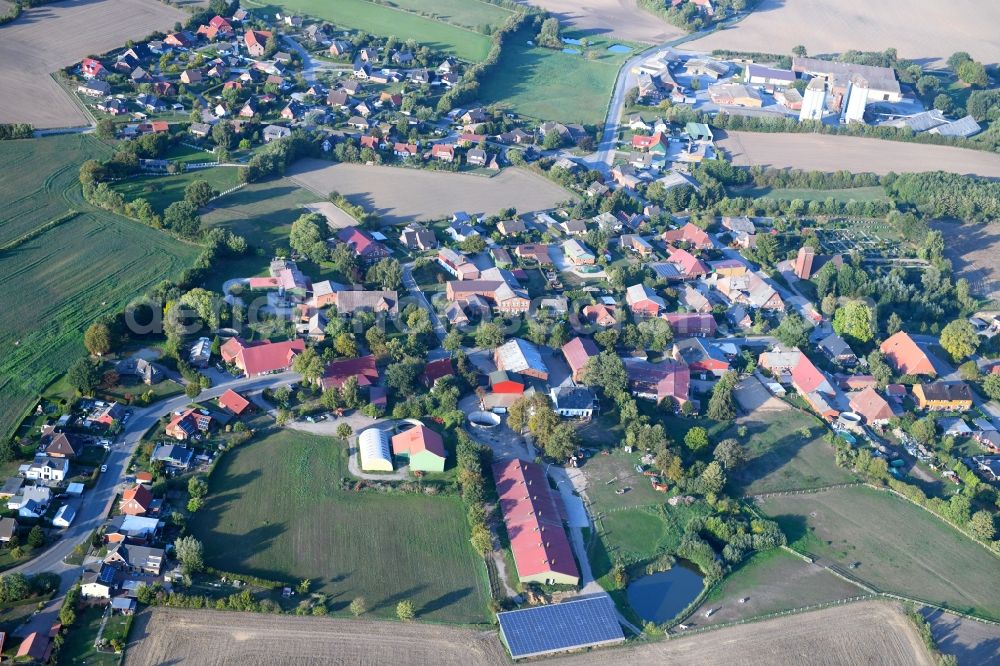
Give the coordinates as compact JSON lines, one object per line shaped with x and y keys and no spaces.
{"x":440,"y":25}
{"x":551,"y":85}
{"x":276,"y":510}
{"x":56,"y":280}
{"x":161,"y":191}
{"x":897,"y":546}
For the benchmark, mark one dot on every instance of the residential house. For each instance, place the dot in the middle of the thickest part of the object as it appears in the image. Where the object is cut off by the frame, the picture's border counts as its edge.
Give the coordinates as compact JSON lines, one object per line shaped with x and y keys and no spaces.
{"x":635,"y":243}
{"x":498,"y":293}
{"x":435,"y":370}
{"x":30,"y":501}
{"x":62,"y":445}
{"x":837,"y":350}
{"x":578,"y":352}
{"x":477,"y":157}
{"x":187,"y":423}
{"x":137,"y":559}
{"x":656,"y":144}
{"x":691,"y":324}
{"x":658,"y":381}
{"x":98,"y":583}
{"x":501,"y":257}
{"x":261,"y":357}
{"x":735,"y":94}
{"x":256,"y":42}
{"x":366,"y":248}
{"x":643,"y":301}
{"x":94,"y":88}
{"x":597,"y":189}
{"x":688,"y":266}
{"x":90,"y":68}
{"x":600,"y":314}
{"x":275,"y":132}
{"x":573,"y":401}
{"x":136,"y":500}
{"x":339,"y":371}
{"x":46,"y":469}
{"x":8,"y":529}
{"x":234,"y":402}
{"x":417,"y":237}
{"x":173,"y":455}
{"x":941,"y":395}
{"x":457,"y":264}
{"x":905,"y":356}
{"x":510,"y":227}
{"x":443,"y":151}
{"x":534,"y":251}
{"x":577,"y":253}
{"x":405,"y":150}
{"x":421,"y":447}
{"x":381,"y":302}
{"x":728,"y":268}
{"x":691,"y":235}
{"x":135,"y":528}
{"x":871,"y":406}
{"x":519,"y":355}
{"x":700,"y":356}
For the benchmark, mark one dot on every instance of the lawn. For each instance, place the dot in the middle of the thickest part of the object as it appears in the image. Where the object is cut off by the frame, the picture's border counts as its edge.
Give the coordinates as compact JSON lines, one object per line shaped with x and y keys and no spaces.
{"x":275,"y":510}
{"x":90,"y":264}
{"x":897,"y":546}
{"x":780,"y":458}
{"x":161,"y":191}
{"x":551,"y":85}
{"x":381,"y":19}
{"x":773,"y":581}
{"x":874,"y":193}
{"x":79,"y":645}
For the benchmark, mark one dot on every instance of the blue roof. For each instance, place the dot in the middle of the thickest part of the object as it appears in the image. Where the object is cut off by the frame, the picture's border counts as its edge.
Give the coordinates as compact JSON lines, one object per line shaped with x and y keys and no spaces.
{"x":570,"y":625}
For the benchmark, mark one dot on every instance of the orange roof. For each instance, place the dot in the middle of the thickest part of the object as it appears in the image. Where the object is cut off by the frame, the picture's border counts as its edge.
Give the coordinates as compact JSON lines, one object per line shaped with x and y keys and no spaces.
{"x":417,"y":439}
{"x":903,"y":353}
{"x":689,"y":233}
{"x":869,"y":404}
{"x":233,"y":401}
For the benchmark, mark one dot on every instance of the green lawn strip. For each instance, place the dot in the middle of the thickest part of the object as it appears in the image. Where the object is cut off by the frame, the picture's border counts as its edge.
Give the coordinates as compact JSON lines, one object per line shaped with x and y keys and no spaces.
{"x":276,"y":511}
{"x":380,"y":19}
{"x":898,"y":547}
{"x":78,"y":647}
{"x":161,"y":191}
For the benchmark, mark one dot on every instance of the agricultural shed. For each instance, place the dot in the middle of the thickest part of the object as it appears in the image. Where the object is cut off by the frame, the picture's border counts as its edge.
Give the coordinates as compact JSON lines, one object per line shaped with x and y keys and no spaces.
{"x":373,"y":447}
{"x":572,"y":625}
{"x":423,"y":447}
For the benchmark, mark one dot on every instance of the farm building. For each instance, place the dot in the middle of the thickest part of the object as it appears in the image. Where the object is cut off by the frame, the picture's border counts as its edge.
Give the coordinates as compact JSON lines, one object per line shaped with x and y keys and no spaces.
{"x":768,"y":76}
{"x":575,"y":624}
{"x":577,"y":352}
{"x":521,"y":356}
{"x":905,"y":356}
{"x":541,"y":549}
{"x":422,"y":447}
{"x":373,"y":449}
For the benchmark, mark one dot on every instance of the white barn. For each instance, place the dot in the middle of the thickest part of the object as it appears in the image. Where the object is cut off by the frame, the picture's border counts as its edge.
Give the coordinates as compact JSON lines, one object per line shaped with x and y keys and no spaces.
{"x":374,"y":450}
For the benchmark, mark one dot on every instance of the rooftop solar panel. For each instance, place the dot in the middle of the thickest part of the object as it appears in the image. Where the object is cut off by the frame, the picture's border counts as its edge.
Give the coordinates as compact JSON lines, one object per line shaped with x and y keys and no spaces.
{"x":575,"y":624}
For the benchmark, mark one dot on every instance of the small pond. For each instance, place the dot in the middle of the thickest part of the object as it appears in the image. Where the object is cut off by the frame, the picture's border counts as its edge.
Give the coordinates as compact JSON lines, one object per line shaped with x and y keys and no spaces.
{"x":574,"y":42}
{"x":661,"y":596}
{"x":619,"y":48}
{"x":571,"y":51}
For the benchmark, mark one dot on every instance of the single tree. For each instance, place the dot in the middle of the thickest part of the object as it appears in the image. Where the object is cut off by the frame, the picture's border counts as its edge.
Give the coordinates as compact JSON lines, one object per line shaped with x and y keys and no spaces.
{"x":97,"y":339}
{"x":344,"y":431}
{"x":309,"y":364}
{"x":982,"y":526}
{"x":36,"y":537}
{"x":696,"y":438}
{"x":358,"y":606}
{"x":405,"y":610}
{"x":190,"y":553}
{"x":959,"y":339}
{"x":199,"y":193}
{"x":83,"y":376}
{"x":489,"y":336}
{"x":730,"y":453}
{"x":713,"y":478}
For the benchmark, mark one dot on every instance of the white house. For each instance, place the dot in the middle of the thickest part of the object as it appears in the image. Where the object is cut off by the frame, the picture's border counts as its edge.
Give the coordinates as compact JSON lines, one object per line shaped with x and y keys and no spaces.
{"x":64,"y":517}
{"x":573,"y":401}
{"x":49,"y":469}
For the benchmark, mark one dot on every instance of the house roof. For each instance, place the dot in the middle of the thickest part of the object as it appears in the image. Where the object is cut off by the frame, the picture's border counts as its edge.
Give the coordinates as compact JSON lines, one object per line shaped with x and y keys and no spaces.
{"x":637,"y":293}
{"x":261,"y":357}
{"x":361,"y":242}
{"x":689,"y":233}
{"x":572,"y":397}
{"x":688,"y":264}
{"x":533,"y":519}
{"x":691,"y":323}
{"x":417,"y":440}
{"x":947,"y":391}
{"x":667,"y":378}
{"x":807,"y":378}
{"x":351,"y":300}
{"x":233,"y":401}
{"x":578,"y":351}
{"x":63,"y":444}
{"x":903,"y":353}
{"x":518,"y":355}
{"x":337,"y":372}
{"x":869,"y":404}
{"x":435,"y":370}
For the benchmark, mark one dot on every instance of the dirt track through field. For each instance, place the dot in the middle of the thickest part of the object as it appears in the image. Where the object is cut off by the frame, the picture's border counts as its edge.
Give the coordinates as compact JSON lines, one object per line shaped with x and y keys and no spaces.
{"x":50,"y":37}
{"x":923,"y":30}
{"x":399,"y":195}
{"x":862,"y":633}
{"x":620,"y":18}
{"x":825,"y":152}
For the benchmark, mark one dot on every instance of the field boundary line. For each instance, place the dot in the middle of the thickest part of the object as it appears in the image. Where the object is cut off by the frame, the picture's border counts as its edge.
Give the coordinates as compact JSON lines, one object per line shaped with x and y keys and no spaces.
{"x":63,"y":84}
{"x":38,"y":231}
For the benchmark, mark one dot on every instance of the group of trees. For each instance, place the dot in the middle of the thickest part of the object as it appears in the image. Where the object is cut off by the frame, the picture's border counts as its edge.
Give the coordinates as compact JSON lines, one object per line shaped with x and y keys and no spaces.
{"x":556,"y":437}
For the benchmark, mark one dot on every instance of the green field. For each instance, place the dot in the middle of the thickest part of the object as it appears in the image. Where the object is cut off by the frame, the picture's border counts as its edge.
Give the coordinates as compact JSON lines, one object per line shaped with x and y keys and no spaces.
{"x":382,"y":19}
{"x":781,"y":459}
{"x":55,"y":283}
{"x":897,"y":546}
{"x":79,"y":645}
{"x":551,"y":85}
{"x":275,"y":510}
{"x":773,"y":581}
{"x":471,"y":14}
{"x":874,"y":193}
{"x":161,"y":191}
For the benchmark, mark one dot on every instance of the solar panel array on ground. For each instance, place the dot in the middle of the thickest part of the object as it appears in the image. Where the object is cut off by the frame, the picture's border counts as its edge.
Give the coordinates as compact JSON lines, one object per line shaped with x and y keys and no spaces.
{"x":571,"y":625}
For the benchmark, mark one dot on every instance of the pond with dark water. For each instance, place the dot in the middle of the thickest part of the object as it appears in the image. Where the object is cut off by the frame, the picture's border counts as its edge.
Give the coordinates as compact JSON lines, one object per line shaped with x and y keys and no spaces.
{"x":659,"y":597}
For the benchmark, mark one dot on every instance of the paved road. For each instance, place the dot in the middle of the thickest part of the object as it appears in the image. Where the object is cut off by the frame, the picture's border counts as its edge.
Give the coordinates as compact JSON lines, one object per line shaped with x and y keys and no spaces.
{"x":98,"y":500}
{"x":411,"y":285}
{"x":605,"y":155}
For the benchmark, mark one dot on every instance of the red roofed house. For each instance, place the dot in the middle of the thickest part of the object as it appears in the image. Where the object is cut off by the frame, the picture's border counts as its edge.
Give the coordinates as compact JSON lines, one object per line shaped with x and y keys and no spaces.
{"x":502,"y":381}
{"x":656,"y":381}
{"x":261,"y":358}
{"x":221,"y":25}
{"x":435,"y":370}
{"x":136,"y":500}
{"x":365,"y":247}
{"x":701,"y":356}
{"x":533,"y":516}
{"x":234,"y":402}
{"x":688,"y":265}
{"x":643,"y":301}
{"x":905,"y":356}
{"x":36,"y":647}
{"x":871,"y":406}
{"x":600,"y":315}
{"x":337,"y":372}
{"x":184,"y":424}
{"x":443,"y":151}
{"x":256,"y":41}
{"x":92,"y":69}
{"x":536,"y":251}
{"x":182,"y":39}
{"x":577,"y":352}
{"x":690,"y":234}
{"x":697,"y":324}
{"x":654,"y":144}
{"x":422,"y":447}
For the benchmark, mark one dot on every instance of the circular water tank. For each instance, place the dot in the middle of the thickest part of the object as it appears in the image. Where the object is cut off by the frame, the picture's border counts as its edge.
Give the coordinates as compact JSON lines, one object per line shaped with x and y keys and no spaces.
{"x":481,"y":419}
{"x":850,"y":420}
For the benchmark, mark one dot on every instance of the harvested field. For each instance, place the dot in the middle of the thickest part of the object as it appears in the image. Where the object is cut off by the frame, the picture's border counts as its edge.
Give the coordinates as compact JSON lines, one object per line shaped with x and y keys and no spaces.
{"x":825,"y":152}
{"x":622,"y":19}
{"x":335,"y":217}
{"x":771,"y":582}
{"x":47,"y":38}
{"x":972,"y":249}
{"x":776,"y":26}
{"x":970,"y":641}
{"x":869,"y":632}
{"x":896,"y":546}
{"x":401,"y":195}
{"x":172,"y":636}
